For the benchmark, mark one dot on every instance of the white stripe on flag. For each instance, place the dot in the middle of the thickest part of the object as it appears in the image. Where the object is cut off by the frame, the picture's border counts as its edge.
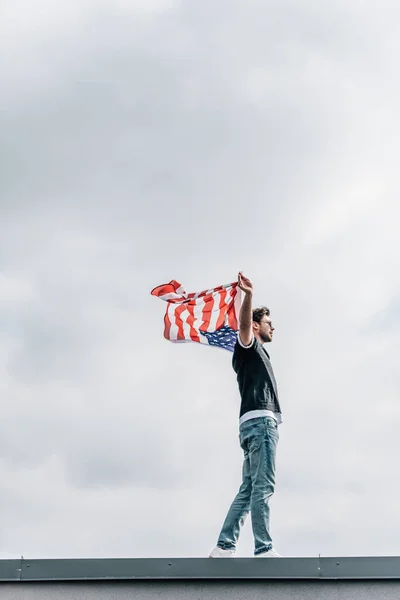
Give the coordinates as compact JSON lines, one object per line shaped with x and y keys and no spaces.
{"x":173,"y":332}
{"x":172,"y":296}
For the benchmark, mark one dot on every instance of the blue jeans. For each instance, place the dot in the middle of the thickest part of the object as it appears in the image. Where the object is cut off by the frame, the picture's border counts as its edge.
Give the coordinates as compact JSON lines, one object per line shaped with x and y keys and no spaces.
{"x":258,"y":439}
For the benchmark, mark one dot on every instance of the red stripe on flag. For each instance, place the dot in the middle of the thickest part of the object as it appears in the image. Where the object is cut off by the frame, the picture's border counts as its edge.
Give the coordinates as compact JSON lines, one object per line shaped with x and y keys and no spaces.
{"x":167,"y":288}
{"x":190,"y":320}
{"x":222,"y":309}
{"x":207,"y":312}
{"x":232,"y":316}
{"x":178,"y":320}
{"x":167,"y":325}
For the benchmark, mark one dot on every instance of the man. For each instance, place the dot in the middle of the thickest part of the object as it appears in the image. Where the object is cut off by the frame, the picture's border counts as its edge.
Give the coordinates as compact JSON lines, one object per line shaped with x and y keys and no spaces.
{"x":260,"y":415}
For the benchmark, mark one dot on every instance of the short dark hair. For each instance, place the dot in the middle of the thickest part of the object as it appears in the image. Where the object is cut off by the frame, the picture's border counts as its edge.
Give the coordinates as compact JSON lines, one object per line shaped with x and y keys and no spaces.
{"x":259,"y":313}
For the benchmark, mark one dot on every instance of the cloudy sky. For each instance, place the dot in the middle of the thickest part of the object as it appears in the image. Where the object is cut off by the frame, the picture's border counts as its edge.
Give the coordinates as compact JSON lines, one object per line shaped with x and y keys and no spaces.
{"x":146,"y":140}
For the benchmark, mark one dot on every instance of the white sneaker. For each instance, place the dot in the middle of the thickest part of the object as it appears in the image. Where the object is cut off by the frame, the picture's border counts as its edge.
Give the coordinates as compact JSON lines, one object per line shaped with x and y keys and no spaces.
{"x":222,"y":553}
{"x":272,"y":553}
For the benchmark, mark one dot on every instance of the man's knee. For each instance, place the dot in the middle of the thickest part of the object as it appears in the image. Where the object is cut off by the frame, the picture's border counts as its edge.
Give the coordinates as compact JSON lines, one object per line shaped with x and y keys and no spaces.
{"x":245,"y":490}
{"x":263,"y":494}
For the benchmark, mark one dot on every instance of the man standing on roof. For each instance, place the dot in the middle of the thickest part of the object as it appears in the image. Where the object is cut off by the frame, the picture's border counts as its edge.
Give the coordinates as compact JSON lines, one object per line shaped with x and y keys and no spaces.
{"x":260,"y":415}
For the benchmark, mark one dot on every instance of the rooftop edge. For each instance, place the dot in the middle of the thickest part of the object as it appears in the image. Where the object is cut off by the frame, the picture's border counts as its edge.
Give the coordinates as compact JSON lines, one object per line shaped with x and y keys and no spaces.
{"x":97,"y":569}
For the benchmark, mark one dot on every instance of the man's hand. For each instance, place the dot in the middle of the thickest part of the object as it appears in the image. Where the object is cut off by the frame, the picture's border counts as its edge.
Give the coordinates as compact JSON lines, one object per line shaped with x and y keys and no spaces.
{"x":245,"y":284}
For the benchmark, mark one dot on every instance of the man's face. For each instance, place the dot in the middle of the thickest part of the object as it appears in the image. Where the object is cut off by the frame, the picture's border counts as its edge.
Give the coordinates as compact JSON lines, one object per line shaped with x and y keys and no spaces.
{"x":264,"y":329}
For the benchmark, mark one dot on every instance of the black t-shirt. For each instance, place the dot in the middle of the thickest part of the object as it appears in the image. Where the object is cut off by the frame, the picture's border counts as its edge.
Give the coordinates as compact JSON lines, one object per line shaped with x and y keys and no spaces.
{"x":256,"y":380}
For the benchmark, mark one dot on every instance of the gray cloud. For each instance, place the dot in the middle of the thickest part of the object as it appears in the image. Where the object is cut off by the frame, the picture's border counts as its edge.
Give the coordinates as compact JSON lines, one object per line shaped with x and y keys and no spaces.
{"x":149,"y":141}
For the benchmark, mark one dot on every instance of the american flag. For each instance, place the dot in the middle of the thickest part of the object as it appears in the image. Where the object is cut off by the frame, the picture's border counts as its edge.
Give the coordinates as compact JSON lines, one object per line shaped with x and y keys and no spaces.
{"x":209,"y":317}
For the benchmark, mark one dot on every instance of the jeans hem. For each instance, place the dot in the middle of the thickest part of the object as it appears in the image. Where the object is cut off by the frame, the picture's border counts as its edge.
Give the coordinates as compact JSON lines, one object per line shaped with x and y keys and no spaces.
{"x":226,"y":546}
{"x":262,"y":550}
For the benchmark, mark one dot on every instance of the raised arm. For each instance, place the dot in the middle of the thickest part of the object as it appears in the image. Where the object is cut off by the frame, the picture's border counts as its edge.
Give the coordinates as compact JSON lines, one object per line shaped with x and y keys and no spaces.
{"x":246,"y":311}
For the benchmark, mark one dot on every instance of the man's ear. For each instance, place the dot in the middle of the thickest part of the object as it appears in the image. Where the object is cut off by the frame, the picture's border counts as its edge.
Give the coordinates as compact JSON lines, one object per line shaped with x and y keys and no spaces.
{"x":255,"y":326}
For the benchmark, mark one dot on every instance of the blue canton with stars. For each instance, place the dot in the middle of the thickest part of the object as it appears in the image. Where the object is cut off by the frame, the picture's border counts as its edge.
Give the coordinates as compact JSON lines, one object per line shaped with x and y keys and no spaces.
{"x":224,"y":337}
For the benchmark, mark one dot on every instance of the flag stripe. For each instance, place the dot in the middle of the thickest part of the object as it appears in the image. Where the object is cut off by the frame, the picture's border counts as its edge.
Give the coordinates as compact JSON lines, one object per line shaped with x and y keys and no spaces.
{"x":167,"y":324}
{"x":173,"y":329}
{"x":191,"y":320}
{"x":208,"y":306}
{"x":233,"y":314}
{"x":212,"y":326}
{"x":179,"y":321}
{"x":221,"y":312}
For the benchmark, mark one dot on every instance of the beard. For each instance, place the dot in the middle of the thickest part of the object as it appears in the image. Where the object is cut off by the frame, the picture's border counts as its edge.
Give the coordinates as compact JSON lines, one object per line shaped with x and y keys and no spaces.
{"x":266,"y":337}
